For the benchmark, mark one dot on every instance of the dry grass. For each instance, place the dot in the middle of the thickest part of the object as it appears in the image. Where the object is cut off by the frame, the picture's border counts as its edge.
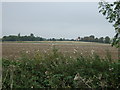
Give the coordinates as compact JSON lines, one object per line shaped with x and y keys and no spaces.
{"x":70,"y":48}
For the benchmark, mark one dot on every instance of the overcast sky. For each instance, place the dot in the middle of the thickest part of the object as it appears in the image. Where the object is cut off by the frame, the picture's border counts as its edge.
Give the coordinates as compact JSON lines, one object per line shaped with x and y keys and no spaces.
{"x":54,"y":19}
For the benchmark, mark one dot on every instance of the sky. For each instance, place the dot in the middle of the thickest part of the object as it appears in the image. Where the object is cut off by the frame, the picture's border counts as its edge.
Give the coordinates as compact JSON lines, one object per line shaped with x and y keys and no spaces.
{"x":54,"y":19}
{"x":57,"y":0}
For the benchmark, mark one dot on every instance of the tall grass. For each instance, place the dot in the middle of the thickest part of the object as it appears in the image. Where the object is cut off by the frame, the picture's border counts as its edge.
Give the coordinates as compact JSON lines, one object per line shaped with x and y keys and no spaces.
{"x":55,"y":70}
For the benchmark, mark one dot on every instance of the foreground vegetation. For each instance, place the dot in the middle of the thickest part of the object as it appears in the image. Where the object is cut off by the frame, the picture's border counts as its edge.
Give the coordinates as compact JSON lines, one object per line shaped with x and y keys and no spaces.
{"x":55,"y":70}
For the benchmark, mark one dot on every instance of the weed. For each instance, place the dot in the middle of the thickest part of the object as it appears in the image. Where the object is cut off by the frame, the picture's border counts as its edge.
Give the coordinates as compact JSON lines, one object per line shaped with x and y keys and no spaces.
{"x":55,"y":70}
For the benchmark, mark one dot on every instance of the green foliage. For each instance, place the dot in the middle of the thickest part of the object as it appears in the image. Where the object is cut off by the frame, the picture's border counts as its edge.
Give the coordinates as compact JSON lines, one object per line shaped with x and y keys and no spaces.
{"x":55,"y":70}
{"x":112,"y":13}
{"x":22,"y":38}
{"x":107,"y":39}
{"x":19,"y":38}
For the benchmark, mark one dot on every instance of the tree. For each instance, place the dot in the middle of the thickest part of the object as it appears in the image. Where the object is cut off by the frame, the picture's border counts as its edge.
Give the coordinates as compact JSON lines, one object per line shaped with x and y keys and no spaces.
{"x":101,"y":40}
{"x":112,"y":13}
{"x":91,"y":38}
{"x":78,"y":38}
{"x":18,"y":34}
{"x":53,"y":39}
{"x":31,"y":37}
{"x":18,"y":38}
{"x":86,"y":39}
{"x":96,"y":39}
{"x":107,"y":39}
{"x":60,"y":39}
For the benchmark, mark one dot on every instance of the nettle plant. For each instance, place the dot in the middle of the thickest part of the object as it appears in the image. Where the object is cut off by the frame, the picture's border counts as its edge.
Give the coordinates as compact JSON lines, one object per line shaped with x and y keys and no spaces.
{"x":112,"y":13}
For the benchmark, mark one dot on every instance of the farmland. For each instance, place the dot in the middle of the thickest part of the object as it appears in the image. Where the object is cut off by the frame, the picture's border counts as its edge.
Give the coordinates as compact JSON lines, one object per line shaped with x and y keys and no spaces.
{"x":59,"y":65}
{"x":70,"y":48}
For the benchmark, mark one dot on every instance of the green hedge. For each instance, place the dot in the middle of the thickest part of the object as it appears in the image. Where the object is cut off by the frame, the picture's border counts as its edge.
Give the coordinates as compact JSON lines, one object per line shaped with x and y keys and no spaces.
{"x":55,"y":70}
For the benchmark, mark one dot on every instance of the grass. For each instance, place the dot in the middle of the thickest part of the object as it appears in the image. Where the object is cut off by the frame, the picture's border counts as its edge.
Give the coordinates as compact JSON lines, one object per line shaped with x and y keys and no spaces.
{"x":57,"y":70}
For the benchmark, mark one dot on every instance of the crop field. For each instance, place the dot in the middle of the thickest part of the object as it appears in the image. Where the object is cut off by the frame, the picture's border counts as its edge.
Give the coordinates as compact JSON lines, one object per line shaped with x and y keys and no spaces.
{"x":69,"y":48}
{"x":59,"y":65}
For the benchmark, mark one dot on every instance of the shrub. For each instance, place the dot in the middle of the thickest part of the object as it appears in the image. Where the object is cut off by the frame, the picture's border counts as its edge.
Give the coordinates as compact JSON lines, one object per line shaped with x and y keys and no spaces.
{"x":55,"y":70}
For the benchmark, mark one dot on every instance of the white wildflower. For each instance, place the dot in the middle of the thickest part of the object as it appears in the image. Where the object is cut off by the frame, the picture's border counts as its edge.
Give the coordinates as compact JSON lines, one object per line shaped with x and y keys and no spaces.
{"x":77,"y":77}
{"x":110,"y":69}
{"x":46,"y":72}
{"x":45,"y":51}
{"x":53,"y":44}
{"x":92,"y":52}
{"x":75,"y":50}
{"x":27,"y":51}
{"x":38,"y":50}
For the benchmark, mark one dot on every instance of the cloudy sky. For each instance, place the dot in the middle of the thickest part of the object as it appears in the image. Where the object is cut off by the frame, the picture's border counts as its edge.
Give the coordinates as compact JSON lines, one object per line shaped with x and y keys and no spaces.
{"x":54,"y":19}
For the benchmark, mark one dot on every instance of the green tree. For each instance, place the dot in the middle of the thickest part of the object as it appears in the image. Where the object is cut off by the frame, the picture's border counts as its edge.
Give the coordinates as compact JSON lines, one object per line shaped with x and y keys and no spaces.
{"x":92,"y":38}
{"x":18,"y":37}
{"x":112,"y":13}
{"x":53,"y":39}
{"x":60,"y":39}
{"x":96,"y":39}
{"x":101,"y":40}
{"x":18,"y":34}
{"x":32,"y":35}
{"x":107,"y":39}
{"x":86,"y":39}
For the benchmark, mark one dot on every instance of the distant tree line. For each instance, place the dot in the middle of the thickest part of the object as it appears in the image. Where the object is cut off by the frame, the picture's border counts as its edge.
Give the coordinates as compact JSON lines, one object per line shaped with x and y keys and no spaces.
{"x":92,"y":38}
{"x":31,"y":37}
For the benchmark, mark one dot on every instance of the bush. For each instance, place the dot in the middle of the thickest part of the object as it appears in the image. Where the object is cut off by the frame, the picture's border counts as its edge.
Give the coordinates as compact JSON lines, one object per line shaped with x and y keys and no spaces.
{"x":54,"y":70}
